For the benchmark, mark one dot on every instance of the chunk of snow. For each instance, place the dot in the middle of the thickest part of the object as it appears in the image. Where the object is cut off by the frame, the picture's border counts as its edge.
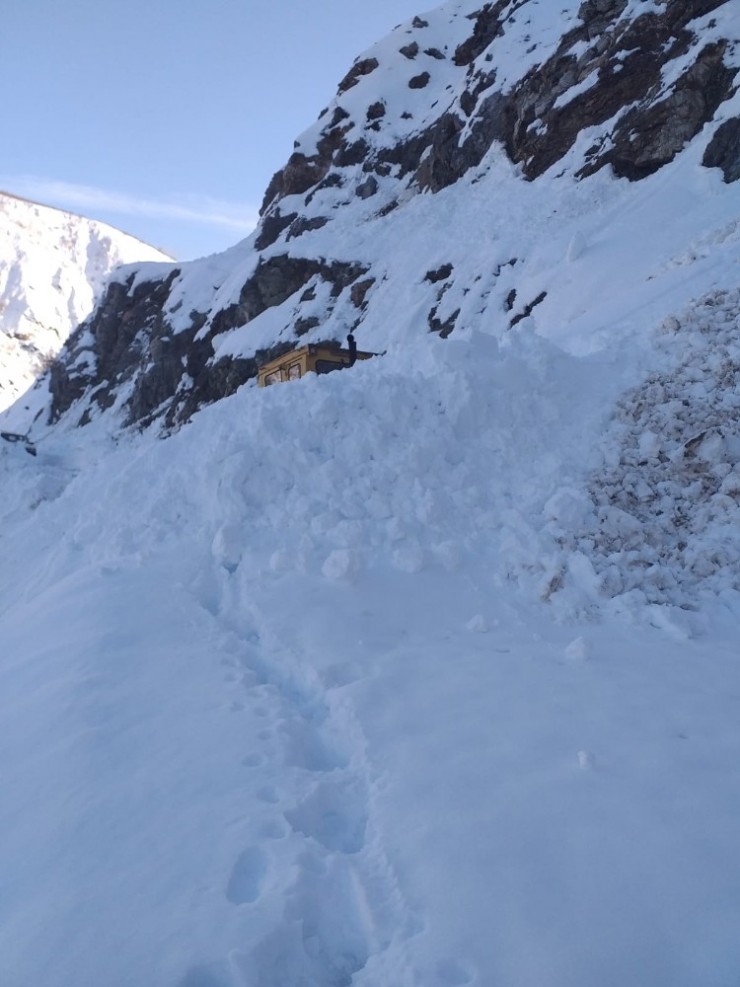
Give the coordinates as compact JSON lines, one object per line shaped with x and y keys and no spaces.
{"x":578,"y":650}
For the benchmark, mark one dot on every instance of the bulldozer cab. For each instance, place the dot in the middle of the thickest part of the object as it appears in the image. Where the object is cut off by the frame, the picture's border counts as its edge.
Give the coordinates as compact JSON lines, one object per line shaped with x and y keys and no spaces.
{"x":317,"y":358}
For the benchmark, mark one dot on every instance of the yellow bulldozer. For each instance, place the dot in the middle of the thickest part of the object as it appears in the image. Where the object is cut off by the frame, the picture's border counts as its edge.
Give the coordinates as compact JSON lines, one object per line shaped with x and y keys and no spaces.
{"x":317,"y":358}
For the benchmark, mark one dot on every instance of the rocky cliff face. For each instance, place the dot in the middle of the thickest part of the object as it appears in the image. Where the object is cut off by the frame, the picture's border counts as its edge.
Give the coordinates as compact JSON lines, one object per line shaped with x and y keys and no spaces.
{"x":53,"y":266}
{"x":506,"y":93}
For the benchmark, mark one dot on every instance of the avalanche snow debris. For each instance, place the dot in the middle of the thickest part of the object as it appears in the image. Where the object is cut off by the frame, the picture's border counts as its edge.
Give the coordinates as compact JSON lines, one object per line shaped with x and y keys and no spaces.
{"x":665,"y":513}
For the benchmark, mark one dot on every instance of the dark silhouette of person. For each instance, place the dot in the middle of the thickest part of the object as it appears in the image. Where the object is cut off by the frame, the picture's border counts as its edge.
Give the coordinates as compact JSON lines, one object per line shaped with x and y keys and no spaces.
{"x":352,"y":349}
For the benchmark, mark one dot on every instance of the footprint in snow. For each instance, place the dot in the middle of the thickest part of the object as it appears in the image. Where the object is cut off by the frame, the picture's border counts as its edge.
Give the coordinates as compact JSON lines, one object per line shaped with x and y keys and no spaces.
{"x":305,"y":748}
{"x":323,"y":939}
{"x":268,"y":794}
{"x":334,"y":815}
{"x":247,"y":877}
{"x":253,"y":760}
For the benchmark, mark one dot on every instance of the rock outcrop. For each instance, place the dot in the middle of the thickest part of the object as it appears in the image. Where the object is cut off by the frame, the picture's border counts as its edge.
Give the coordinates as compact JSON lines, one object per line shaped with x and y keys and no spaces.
{"x":610,"y":84}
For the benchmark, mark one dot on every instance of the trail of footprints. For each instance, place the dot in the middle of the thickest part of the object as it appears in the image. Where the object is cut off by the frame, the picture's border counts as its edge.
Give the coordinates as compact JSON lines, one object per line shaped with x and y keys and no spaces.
{"x":310,"y":778}
{"x":324,"y":936}
{"x":315,"y":864}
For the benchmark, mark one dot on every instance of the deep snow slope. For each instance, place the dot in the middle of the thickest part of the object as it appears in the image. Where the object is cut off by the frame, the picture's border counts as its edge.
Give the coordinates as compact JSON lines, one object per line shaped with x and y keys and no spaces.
{"x":53,"y":266}
{"x":424,"y":674}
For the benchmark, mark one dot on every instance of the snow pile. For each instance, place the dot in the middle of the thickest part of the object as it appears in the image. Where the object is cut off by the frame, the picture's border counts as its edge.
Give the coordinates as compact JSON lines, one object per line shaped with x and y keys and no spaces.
{"x":53,"y":266}
{"x":274,"y":680}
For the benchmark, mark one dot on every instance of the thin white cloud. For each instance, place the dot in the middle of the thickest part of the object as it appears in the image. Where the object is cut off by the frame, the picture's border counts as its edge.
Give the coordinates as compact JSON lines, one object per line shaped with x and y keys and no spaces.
{"x":195,"y":209}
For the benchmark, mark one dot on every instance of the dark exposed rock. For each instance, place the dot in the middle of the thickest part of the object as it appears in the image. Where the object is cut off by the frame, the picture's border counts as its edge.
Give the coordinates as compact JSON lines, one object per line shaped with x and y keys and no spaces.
{"x":528,"y":309}
{"x":332,"y":180}
{"x":410,"y":51}
{"x":359,"y":290}
{"x":598,"y":15}
{"x":723,"y":150}
{"x":367,"y":188}
{"x":304,"y":225}
{"x":113,"y":346}
{"x":444,"y":328}
{"x":302,"y":326}
{"x":376,"y":110}
{"x":676,"y":11}
{"x":364,"y":67}
{"x":467,"y":103}
{"x":419,"y":81}
{"x":447,"y":160}
{"x":338,"y":115}
{"x":303,"y":172}
{"x":439,"y":273}
{"x":434,"y":53}
{"x":626,"y":63}
{"x":377,"y":168}
{"x":271,"y":227}
{"x":488,"y":26}
{"x":352,"y":154}
{"x":277,"y":279}
{"x":419,"y":22}
{"x":299,"y":175}
{"x":212,"y":383}
{"x":535,"y":120}
{"x":644,"y":142}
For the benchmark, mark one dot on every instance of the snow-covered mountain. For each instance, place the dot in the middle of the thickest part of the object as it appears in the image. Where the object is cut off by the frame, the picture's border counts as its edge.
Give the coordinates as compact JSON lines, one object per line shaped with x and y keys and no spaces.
{"x":53,"y":266}
{"x":422,"y":674}
{"x":531,"y":110}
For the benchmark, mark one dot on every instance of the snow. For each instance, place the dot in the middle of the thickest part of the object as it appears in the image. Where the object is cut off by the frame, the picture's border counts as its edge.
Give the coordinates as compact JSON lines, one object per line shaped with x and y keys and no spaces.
{"x":570,"y":94}
{"x":53,"y":266}
{"x":282,"y":704}
{"x":420,"y":674}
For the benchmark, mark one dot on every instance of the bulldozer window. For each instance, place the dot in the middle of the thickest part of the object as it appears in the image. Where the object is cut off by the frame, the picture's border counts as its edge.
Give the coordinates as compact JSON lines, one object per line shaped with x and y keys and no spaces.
{"x":294,"y":371}
{"x":327,"y":366}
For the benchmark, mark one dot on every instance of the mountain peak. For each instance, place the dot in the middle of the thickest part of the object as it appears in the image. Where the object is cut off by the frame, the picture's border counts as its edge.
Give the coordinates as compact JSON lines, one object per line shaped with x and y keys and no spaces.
{"x":53,"y":266}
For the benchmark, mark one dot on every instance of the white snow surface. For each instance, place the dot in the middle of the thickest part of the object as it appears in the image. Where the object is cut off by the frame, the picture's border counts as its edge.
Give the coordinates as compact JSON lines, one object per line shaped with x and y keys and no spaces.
{"x":53,"y":265}
{"x":424,"y":674}
{"x":282,"y":703}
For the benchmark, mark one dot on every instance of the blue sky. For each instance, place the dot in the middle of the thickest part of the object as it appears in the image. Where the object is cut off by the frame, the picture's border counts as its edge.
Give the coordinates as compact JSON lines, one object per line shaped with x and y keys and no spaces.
{"x":167,"y":118}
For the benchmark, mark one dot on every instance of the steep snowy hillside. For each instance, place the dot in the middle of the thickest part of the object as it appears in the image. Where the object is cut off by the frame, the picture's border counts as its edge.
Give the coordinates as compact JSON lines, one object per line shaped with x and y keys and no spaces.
{"x":423,"y":674}
{"x":524,"y":113}
{"x":53,"y":266}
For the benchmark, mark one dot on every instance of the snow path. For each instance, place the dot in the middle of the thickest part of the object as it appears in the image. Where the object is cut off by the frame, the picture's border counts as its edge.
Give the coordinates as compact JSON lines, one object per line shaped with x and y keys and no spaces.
{"x":243,"y":753}
{"x":344,"y":909}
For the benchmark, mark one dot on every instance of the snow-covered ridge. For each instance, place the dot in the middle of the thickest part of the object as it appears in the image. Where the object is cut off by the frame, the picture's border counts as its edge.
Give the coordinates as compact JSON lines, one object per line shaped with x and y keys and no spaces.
{"x":53,"y":267}
{"x":495,"y":99}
